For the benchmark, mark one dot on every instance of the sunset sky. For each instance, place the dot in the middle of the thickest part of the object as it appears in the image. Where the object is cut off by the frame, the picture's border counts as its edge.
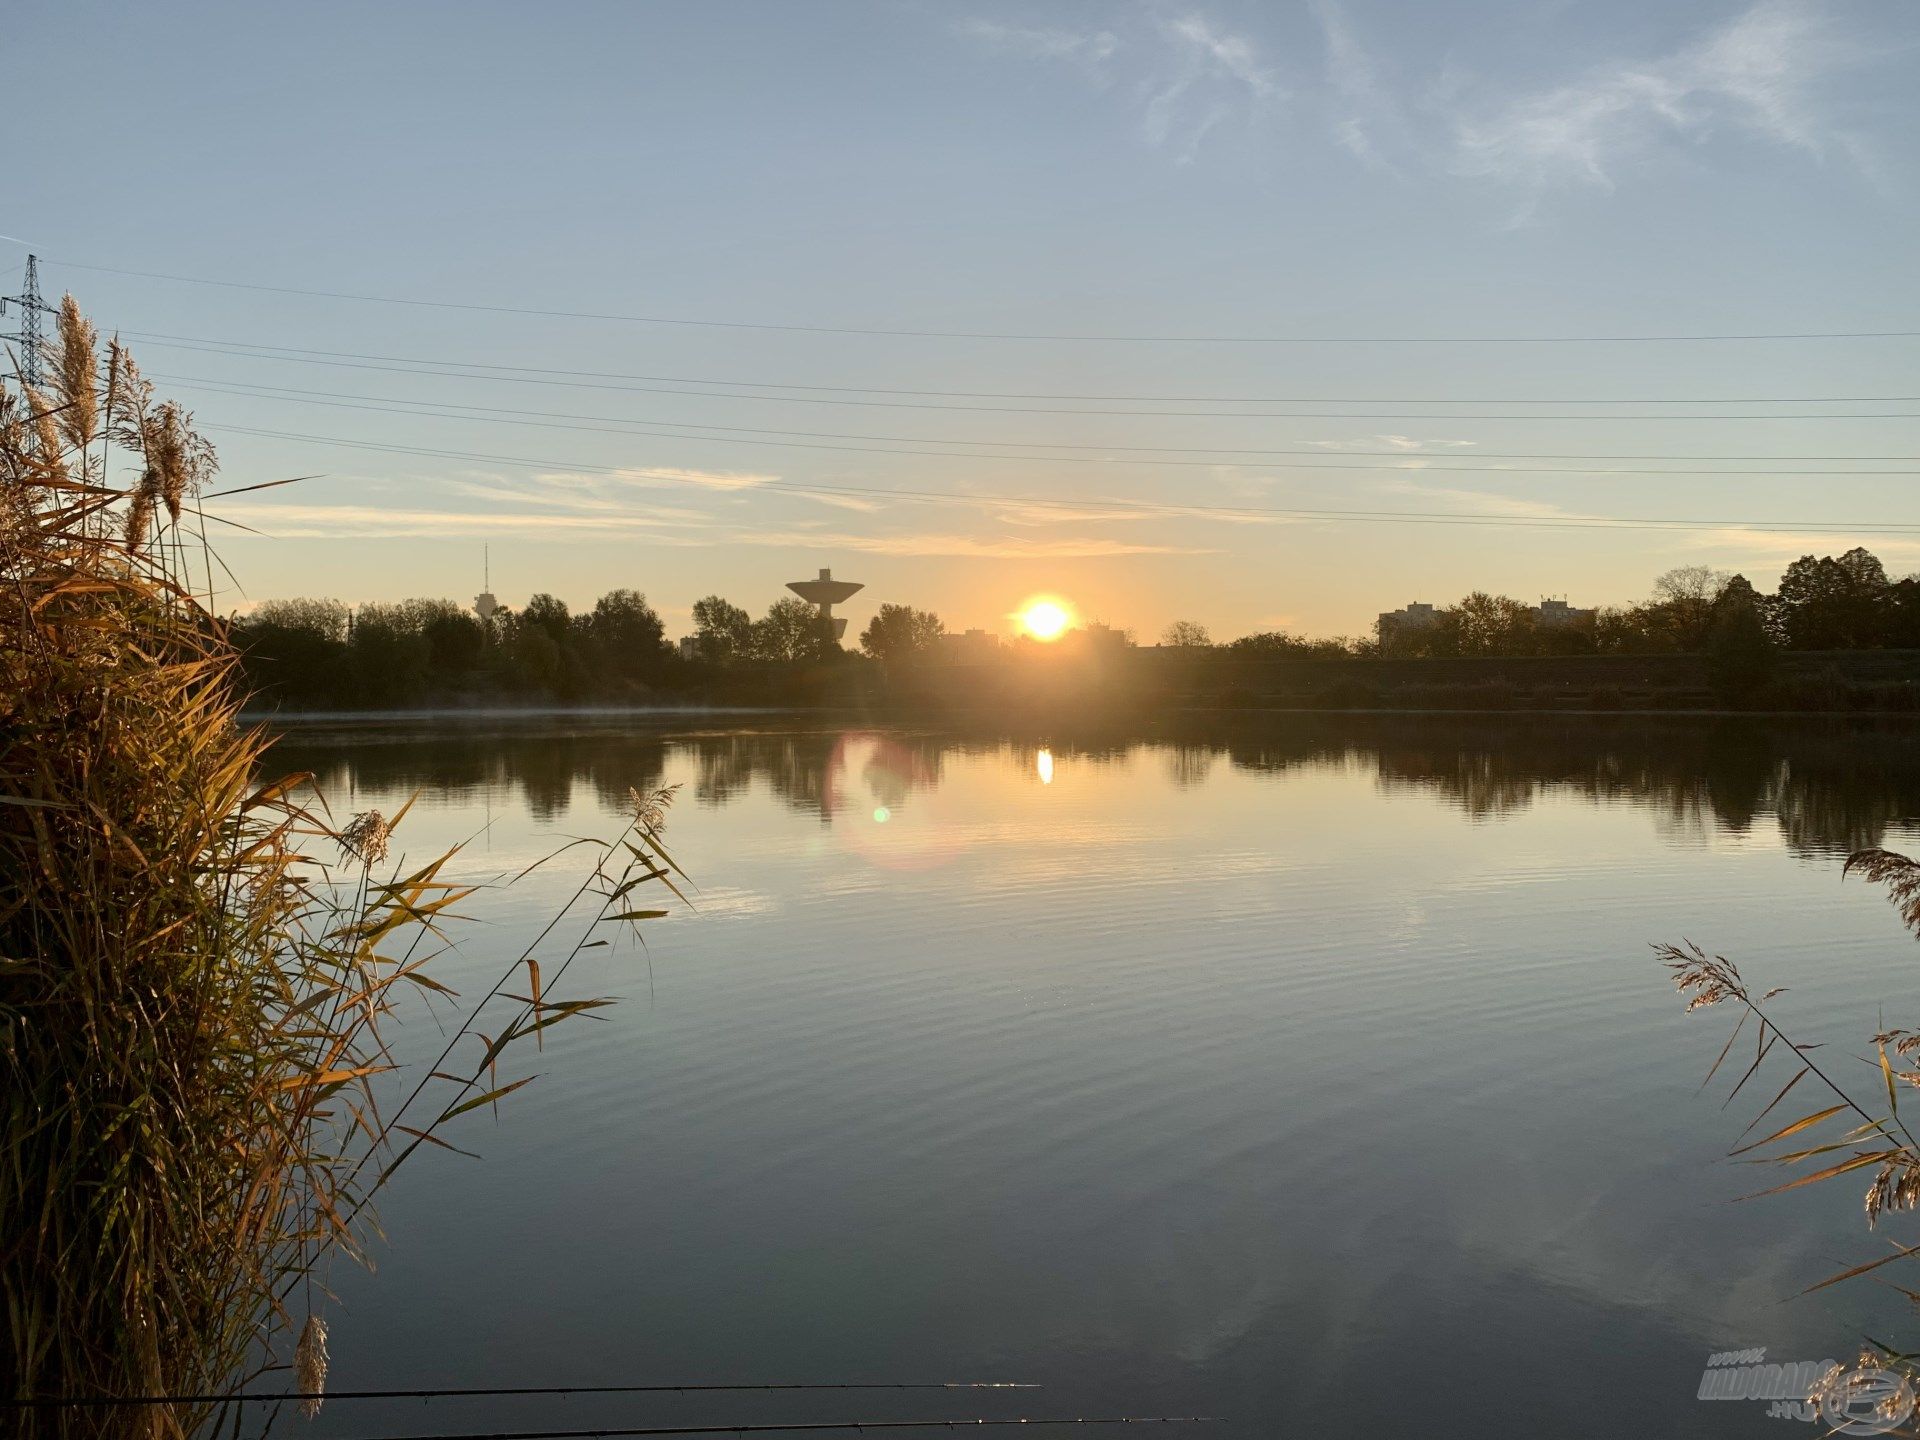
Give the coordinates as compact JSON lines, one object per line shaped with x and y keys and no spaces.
{"x":1166,"y":207}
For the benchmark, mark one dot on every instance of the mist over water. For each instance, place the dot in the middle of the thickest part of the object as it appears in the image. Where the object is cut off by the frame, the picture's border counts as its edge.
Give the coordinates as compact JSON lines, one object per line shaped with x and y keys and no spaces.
{"x":1313,"y":1072}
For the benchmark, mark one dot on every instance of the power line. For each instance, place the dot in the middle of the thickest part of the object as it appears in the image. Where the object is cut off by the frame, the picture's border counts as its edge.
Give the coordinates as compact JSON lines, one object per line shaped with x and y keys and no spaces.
{"x":290,"y":1397}
{"x":253,"y":345}
{"x":649,"y":430}
{"x":1476,"y":452}
{"x":1120,"y":504}
{"x":1008,"y":409}
{"x":995,"y":334}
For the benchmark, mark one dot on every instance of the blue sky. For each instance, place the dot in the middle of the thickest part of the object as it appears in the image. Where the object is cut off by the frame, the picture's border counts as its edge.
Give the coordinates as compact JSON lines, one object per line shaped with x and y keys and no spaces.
{"x":1330,"y":169}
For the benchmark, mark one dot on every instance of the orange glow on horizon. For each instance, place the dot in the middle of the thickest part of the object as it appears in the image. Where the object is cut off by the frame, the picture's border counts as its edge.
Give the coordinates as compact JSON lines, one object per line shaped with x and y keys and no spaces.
{"x":1045,"y":617}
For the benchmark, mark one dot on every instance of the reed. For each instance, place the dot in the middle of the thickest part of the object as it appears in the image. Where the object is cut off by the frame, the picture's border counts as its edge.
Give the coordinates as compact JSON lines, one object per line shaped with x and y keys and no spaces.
{"x":197,"y":1107}
{"x":1854,"y":1130}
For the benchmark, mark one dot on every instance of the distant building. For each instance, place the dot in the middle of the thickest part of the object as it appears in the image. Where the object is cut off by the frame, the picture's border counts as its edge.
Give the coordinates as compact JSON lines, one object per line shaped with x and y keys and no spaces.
{"x":1549,"y":614}
{"x":1100,"y":637}
{"x":971,"y":647}
{"x":826,"y":592}
{"x":1415,"y":616}
{"x":689,"y":647}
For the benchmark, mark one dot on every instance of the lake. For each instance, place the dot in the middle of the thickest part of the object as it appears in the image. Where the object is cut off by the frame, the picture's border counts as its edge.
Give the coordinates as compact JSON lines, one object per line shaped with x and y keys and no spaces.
{"x":1313,"y":1072}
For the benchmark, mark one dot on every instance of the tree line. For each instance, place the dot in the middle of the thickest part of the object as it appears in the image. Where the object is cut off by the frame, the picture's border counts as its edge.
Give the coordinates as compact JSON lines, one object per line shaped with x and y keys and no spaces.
{"x":1845,"y":602}
{"x":323,"y":653}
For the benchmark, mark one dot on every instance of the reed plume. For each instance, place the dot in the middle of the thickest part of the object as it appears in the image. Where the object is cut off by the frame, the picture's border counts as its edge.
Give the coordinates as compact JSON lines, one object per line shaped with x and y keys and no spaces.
{"x":76,"y":378}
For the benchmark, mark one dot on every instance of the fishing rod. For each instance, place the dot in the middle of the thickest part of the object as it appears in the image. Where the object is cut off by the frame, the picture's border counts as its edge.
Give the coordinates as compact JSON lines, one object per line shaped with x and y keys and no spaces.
{"x":294,"y":1396}
{"x":610,"y":1434}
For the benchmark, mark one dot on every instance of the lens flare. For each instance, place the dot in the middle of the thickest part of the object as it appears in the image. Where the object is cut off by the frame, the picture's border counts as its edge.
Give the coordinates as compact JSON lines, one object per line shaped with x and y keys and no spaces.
{"x":882,"y":800}
{"x":1045,"y":618}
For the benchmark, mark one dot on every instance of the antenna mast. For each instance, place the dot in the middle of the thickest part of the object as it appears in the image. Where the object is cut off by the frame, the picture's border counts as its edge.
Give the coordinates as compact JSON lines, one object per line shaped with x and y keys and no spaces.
{"x":484,"y":605}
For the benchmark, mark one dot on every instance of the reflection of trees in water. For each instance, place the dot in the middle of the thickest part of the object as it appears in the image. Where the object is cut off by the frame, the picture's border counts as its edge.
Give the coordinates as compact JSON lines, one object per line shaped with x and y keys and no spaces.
{"x":793,"y":766}
{"x":1829,"y":787}
{"x":468,"y":767}
{"x":1189,"y":765}
{"x":1843,"y":808}
{"x":545,"y":768}
{"x":896,"y":767}
{"x":802,"y":769}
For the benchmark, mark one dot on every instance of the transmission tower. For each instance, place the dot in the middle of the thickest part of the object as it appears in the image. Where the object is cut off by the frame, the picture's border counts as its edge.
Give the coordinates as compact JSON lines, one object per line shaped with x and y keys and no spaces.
{"x":27,"y":337}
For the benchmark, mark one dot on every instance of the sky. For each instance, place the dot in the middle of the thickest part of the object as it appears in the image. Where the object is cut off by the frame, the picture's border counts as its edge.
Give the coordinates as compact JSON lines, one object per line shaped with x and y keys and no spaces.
{"x":701,"y":298}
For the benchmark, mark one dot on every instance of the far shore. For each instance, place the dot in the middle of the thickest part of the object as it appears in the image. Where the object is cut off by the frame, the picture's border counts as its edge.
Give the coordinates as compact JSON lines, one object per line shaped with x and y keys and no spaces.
{"x":514,"y":712}
{"x":917,"y":716}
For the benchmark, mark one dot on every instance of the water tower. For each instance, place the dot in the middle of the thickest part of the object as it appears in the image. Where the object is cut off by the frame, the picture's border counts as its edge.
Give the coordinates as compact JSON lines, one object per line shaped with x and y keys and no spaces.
{"x":827,"y":592}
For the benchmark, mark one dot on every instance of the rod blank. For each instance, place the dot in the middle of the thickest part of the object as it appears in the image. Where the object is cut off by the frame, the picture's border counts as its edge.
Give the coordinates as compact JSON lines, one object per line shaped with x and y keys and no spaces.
{"x":294,"y":1396}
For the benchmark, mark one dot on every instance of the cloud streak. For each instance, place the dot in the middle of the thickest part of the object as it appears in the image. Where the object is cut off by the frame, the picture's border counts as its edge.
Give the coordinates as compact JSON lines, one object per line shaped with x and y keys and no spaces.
{"x":1183,"y":71}
{"x":1755,"y":75}
{"x":1214,"y":74}
{"x":1067,"y":512}
{"x":1766,"y":74}
{"x":1362,"y":102}
{"x":286,"y":520}
{"x":969,"y":546}
{"x":1482,"y":502}
{"x":1777,"y":546}
{"x":338,"y":522}
{"x":1091,"y":48}
{"x":606,"y":491}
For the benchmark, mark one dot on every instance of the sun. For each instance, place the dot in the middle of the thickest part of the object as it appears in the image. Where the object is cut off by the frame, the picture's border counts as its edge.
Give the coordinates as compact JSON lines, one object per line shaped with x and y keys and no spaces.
{"x":1045,"y":619}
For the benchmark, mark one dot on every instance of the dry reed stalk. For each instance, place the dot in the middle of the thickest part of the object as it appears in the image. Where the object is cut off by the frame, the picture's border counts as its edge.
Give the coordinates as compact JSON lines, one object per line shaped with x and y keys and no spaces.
{"x":190,"y":1000}
{"x":1848,"y":1134}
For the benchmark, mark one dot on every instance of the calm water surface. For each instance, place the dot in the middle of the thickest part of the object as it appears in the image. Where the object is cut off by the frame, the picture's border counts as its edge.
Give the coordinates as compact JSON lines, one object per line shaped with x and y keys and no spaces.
{"x":1315,"y":1074}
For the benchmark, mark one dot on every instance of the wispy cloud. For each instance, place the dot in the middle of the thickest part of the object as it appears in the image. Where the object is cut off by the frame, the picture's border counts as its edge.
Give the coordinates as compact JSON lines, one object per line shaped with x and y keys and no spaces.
{"x":1409,"y":444}
{"x":857,"y":503}
{"x":1768,"y":73}
{"x":730,"y":482}
{"x":1756,"y":75}
{"x":1066,"y":512}
{"x":1361,"y":105}
{"x":1222,"y":52}
{"x":1484,"y":502}
{"x":286,"y":520}
{"x":568,"y":492}
{"x":330,"y":522}
{"x":702,"y":479}
{"x":971,"y":546}
{"x":1184,"y":71}
{"x":1734,"y":542}
{"x":610,"y":491}
{"x":1086,"y":47}
{"x":1214,"y":73}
